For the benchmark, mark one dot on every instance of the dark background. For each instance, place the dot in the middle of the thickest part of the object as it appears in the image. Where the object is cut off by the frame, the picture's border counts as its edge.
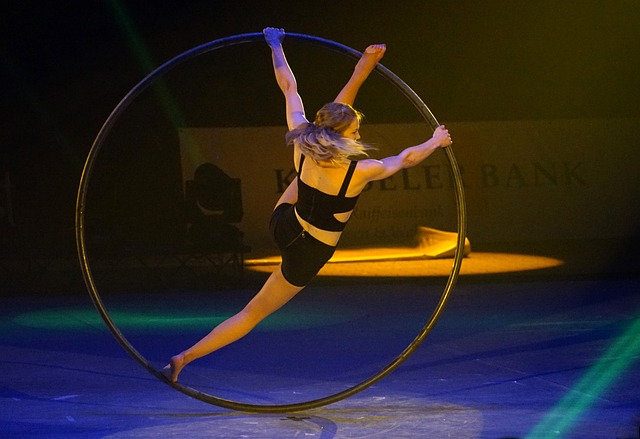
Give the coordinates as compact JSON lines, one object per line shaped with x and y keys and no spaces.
{"x":65,"y":65}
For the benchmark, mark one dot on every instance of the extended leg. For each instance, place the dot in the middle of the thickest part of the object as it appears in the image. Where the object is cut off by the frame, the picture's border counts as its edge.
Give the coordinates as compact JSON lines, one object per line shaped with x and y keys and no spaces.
{"x":364,"y":67}
{"x":273,"y":295}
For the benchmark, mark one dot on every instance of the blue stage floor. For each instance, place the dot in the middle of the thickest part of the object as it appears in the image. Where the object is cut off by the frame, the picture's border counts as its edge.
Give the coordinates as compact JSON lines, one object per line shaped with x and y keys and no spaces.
{"x":510,"y":357}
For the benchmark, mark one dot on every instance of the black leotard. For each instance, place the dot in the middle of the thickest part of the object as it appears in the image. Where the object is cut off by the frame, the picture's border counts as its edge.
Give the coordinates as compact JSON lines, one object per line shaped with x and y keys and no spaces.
{"x":319,"y":208}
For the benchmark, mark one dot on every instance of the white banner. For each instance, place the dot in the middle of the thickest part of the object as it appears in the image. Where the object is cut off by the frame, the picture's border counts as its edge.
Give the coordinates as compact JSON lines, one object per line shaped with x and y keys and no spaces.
{"x":524,"y":180}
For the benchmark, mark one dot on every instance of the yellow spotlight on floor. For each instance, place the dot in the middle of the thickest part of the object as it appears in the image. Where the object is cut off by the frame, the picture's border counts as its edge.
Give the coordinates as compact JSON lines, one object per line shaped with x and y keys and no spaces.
{"x":431,"y":256}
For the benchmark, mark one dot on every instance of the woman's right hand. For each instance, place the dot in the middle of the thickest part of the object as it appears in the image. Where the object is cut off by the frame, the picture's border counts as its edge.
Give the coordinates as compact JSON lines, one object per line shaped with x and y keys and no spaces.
{"x":273,"y":36}
{"x":442,"y":136}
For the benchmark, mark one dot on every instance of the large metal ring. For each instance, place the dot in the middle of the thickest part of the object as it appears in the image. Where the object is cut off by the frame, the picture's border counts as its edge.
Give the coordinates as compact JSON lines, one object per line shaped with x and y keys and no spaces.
{"x":86,"y":268}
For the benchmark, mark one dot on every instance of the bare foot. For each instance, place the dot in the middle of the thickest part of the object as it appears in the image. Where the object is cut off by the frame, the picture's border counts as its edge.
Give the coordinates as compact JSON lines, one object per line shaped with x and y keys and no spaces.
{"x":173,"y":369}
{"x":371,"y":56}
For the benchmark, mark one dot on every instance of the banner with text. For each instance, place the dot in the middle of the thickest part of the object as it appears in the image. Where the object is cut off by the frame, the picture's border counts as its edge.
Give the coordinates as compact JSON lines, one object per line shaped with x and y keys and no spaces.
{"x":524,"y":180}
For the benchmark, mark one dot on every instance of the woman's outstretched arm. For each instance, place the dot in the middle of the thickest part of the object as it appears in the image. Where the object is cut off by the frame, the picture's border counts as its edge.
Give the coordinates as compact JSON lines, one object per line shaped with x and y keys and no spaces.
{"x":364,"y":67}
{"x":409,"y":157}
{"x":285,"y":78}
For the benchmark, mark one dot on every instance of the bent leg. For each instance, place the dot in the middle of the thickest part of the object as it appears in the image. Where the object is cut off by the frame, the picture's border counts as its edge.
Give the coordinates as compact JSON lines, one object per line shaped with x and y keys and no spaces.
{"x":275,"y":293}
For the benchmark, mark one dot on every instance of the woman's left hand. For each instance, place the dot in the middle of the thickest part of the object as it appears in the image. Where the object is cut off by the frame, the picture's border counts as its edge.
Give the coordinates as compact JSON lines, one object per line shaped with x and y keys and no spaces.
{"x":273,"y":36}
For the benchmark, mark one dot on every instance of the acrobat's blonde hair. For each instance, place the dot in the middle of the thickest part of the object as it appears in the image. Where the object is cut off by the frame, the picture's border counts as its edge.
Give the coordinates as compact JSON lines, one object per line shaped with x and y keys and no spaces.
{"x":323,"y":140}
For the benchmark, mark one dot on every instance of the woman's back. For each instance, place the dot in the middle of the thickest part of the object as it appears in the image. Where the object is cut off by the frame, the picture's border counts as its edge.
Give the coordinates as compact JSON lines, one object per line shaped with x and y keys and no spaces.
{"x":328,"y":177}
{"x":322,"y":194}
